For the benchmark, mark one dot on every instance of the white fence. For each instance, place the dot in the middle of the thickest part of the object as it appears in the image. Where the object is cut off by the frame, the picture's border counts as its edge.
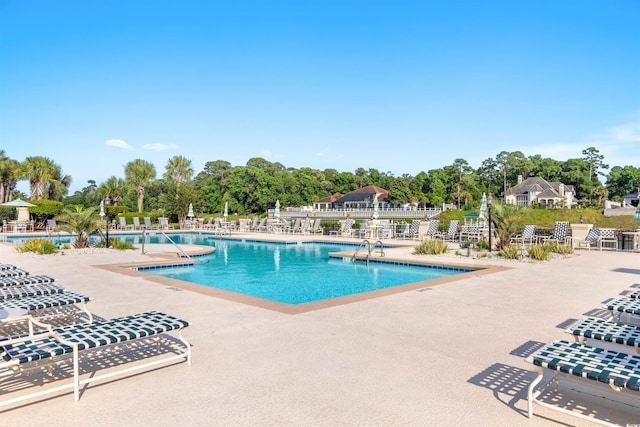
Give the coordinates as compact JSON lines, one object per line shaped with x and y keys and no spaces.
{"x":358,"y":213}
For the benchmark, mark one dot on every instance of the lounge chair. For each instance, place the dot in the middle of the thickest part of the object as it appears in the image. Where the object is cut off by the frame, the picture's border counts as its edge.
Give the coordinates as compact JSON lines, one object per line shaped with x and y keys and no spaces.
{"x":470,"y":233}
{"x":13,"y":272}
{"x":589,"y":366}
{"x":603,"y":330}
{"x":295,"y":228}
{"x":452,"y":232}
{"x":528,"y":236}
{"x":4,"y":267}
{"x":620,"y":306}
{"x":51,"y":225}
{"x":122,"y":224}
{"x":608,"y":238}
{"x":25,"y":280}
{"x":43,"y":349}
{"x":430,"y":231}
{"x":41,"y":306}
{"x":11,"y":292}
{"x":591,"y":239}
{"x":254,"y":224}
{"x":163,"y":223}
{"x":560,"y":234}
{"x":347,"y":229}
{"x":136,"y":223}
{"x":316,"y":226}
{"x":411,"y":231}
{"x":148,"y":225}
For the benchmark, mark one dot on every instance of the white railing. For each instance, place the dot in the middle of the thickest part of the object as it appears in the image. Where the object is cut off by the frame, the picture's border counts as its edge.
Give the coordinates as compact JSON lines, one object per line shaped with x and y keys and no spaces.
{"x":358,"y":213}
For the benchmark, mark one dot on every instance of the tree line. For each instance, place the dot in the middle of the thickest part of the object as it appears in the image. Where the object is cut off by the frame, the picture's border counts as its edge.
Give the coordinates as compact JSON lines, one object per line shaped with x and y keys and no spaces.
{"x":254,"y":187}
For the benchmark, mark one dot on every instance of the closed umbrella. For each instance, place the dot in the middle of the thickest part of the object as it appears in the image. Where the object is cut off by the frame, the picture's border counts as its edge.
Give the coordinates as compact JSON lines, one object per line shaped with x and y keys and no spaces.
{"x":276,"y":212}
{"x":190,"y":214}
{"x":376,"y":207}
{"x":226,"y":211}
{"x":483,"y":208}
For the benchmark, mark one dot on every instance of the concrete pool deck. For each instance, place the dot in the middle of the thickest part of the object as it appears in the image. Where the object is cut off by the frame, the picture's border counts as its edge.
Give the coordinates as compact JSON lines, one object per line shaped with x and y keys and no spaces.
{"x":445,"y":355}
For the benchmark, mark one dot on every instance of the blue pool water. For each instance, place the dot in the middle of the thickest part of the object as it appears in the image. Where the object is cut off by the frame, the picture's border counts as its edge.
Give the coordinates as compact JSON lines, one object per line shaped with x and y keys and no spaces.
{"x":287,"y":273}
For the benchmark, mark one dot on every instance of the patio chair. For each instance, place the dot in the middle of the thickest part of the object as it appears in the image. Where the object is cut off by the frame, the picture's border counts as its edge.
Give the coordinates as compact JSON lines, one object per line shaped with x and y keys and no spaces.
{"x":13,"y":272}
{"x":363,"y":230}
{"x":163,"y":223}
{"x":591,"y":239}
{"x":254,"y":224}
{"x":148,"y":225}
{"x":452,"y":232}
{"x":411,"y":231}
{"x":347,"y":228}
{"x":136,"y":223}
{"x":316,"y":226}
{"x":608,"y":238}
{"x":49,"y":306}
{"x":431,"y":229}
{"x":7,"y":267}
{"x":122,"y":224}
{"x":12,"y":292}
{"x":560,"y":233}
{"x":42,"y":349}
{"x":25,"y":280}
{"x":528,"y":236}
{"x":295,"y":228}
{"x":51,"y":225}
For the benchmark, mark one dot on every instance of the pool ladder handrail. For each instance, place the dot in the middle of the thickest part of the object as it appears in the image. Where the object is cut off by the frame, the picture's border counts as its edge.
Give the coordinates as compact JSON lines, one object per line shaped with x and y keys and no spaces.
{"x":370,"y":248}
{"x":144,"y":231}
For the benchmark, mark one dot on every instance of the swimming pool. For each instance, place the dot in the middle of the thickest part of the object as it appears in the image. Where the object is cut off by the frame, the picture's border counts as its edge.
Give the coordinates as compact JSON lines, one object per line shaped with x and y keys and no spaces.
{"x":294,"y":273}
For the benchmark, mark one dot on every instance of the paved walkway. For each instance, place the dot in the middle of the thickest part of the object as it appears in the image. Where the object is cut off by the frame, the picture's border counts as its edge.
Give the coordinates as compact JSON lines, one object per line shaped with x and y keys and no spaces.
{"x":449,"y":355}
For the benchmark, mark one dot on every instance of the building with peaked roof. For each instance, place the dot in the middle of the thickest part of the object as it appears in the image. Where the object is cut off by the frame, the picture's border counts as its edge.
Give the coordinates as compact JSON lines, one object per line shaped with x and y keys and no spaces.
{"x":632,"y":199}
{"x":361,"y":198}
{"x":540,"y":191}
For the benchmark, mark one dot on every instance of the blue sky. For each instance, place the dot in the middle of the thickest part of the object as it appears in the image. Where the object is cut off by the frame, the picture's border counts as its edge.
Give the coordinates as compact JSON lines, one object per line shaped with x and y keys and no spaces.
{"x":400,"y":86}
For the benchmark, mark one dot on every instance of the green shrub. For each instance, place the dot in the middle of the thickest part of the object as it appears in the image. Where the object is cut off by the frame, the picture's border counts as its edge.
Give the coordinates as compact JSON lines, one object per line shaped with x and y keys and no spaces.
{"x":431,"y":247}
{"x":39,"y":246}
{"x":116,"y":243}
{"x":510,"y":252}
{"x":482,"y":244}
{"x":557,"y":248}
{"x":538,"y":252}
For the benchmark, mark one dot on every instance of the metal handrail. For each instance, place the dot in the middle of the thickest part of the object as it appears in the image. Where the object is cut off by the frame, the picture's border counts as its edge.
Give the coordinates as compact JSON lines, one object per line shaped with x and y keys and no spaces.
{"x":144,"y":231}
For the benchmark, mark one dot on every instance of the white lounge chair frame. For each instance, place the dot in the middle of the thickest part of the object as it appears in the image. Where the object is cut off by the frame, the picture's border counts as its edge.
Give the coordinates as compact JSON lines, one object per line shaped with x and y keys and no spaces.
{"x":56,"y":346}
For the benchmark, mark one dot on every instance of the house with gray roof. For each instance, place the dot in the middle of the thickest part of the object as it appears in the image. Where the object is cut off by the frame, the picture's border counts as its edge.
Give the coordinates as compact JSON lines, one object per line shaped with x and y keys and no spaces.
{"x":362,"y":198}
{"x":540,"y":191}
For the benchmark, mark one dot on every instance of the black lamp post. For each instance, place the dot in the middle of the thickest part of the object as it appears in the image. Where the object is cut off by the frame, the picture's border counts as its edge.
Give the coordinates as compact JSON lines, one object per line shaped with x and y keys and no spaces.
{"x":489,"y":203}
{"x":107,"y":202}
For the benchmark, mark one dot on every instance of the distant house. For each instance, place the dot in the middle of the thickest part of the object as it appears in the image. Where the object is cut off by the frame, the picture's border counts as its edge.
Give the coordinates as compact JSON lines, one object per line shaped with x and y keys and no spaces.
{"x":361,"y":198}
{"x":326,"y":203}
{"x":540,"y":191}
{"x":632,"y":199}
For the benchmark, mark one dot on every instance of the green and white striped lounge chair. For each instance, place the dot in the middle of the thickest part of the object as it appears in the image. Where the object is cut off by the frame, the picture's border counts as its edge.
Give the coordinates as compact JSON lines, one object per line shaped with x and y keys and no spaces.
{"x":586,"y":365}
{"x":43,"y":349}
{"x":605,"y":331}
{"x":25,"y":280}
{"x":48,"y":306}
{"x":12,"y":292}
{"x":13,"y":272}
{"x":620,"y":306}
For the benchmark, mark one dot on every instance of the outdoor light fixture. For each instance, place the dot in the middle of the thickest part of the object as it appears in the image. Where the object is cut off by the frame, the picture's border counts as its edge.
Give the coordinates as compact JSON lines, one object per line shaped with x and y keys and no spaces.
{"x":489,"y":203}
{"x":104,"y":210}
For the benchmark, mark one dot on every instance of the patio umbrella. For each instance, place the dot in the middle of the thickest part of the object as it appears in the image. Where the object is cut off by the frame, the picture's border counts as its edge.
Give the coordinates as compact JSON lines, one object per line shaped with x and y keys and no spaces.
{"x":276,"y":211}
{"x":190,"y":213}
{"x":483,"y":208}
{"x":102,"y":208}
{"x":21,"y":206}
{"x":226,"y":211}
{"x":376,"y":208}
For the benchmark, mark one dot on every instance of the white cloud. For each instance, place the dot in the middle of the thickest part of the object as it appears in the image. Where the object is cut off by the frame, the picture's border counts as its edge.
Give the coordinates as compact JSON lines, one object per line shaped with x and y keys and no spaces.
{"x":118,"y":143}
{"x":629,"y":132}
{"x":159,"y":147}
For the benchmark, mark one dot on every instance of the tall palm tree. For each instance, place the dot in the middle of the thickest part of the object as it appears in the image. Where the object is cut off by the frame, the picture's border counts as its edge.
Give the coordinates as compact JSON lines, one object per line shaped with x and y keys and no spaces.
{"x":80,"y":221}
{"x":114,"y":188}
{"x":10,"y":174}
{"x":179,"y":169}
{"x":139,"y":173}
{"x":40,"y":170}
{"x":58,"y":186}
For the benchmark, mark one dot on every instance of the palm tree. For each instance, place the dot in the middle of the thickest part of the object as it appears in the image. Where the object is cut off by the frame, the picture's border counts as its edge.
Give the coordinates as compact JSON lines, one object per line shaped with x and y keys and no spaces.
{"x":139,"y":173}
{"x":80,"y":221}
{"x":40,"y":170}
{"x":58,"y":186}
{"x":504,"y":220}
{"x":179,"y":169}
{"x":114,"y":188}
{"x":10,"y":174}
